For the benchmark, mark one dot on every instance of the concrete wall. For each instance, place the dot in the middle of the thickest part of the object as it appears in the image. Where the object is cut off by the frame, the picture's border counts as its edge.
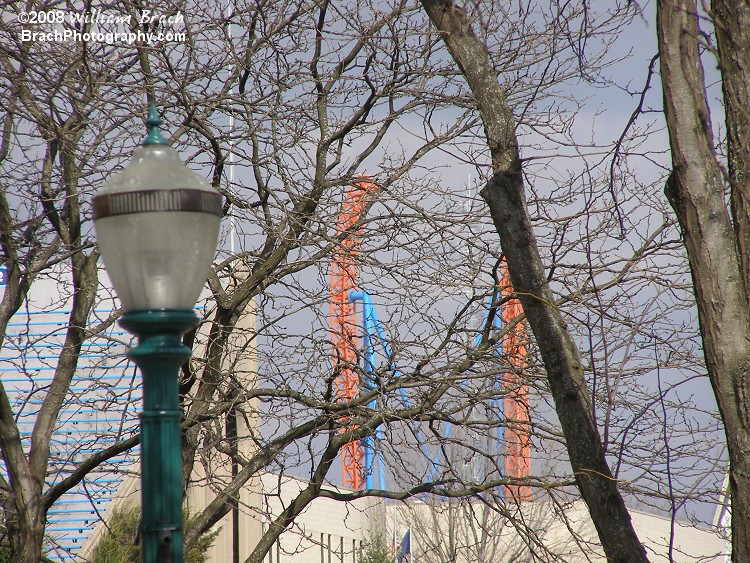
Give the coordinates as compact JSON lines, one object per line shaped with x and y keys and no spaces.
{"x":328,"y":531}
{"x":213,"y":470}
{"x":473,"y":532}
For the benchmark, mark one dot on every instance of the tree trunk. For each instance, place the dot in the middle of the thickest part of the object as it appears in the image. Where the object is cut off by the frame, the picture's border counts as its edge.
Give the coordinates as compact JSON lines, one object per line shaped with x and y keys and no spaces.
{"x":26,"y":532}
{"x":733,"y":41}
{"x":505,"y":197}
{"x":717,"y":246}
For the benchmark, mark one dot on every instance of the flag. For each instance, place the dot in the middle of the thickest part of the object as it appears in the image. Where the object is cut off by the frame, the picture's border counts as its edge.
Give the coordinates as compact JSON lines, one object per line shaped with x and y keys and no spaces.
{"x":405,"y":548}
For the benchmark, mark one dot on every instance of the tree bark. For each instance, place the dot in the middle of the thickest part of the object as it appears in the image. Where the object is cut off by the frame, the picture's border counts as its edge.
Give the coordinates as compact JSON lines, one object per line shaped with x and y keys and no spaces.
{"x":715,"y":238}
{"x":733,"y":42}
{"x":506,"y":200}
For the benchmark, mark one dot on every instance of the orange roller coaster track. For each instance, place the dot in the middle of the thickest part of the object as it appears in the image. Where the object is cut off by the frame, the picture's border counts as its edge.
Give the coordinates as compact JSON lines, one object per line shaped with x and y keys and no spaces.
{"x":344,"y":319}
{"x":344,"y":270}
{"x":516,"y":398}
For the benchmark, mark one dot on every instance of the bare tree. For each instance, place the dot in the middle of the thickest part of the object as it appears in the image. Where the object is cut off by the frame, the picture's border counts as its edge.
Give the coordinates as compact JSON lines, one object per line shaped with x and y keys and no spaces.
{"x":708,"y":191}
{"x":507,"y":203}
{"x":282,"y":105}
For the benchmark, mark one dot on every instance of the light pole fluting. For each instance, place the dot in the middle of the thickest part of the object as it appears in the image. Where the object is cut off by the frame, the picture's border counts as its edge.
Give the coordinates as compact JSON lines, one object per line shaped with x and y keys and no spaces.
{"x":157,"y":224}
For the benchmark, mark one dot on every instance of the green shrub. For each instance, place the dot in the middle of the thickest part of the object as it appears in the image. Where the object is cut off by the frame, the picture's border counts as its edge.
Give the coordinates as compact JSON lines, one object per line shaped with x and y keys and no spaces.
{"x":376,"y":550}
{"x":117,"y":545}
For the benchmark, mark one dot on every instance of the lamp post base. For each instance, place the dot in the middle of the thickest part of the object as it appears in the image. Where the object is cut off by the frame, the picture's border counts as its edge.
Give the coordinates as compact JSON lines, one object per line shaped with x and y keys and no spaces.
{"x":160,"y":354}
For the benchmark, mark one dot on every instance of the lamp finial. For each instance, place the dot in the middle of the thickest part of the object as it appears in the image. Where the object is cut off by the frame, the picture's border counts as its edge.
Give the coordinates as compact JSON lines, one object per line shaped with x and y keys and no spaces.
{"x":154,"y":122}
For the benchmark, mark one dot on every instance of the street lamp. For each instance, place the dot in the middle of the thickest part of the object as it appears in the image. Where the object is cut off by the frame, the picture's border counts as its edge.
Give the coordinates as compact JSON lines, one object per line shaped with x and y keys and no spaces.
{"x":157,"y":224}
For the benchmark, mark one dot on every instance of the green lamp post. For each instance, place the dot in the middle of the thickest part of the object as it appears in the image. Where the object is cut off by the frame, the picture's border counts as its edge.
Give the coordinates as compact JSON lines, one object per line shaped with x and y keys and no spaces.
{"x":157,"y":224}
